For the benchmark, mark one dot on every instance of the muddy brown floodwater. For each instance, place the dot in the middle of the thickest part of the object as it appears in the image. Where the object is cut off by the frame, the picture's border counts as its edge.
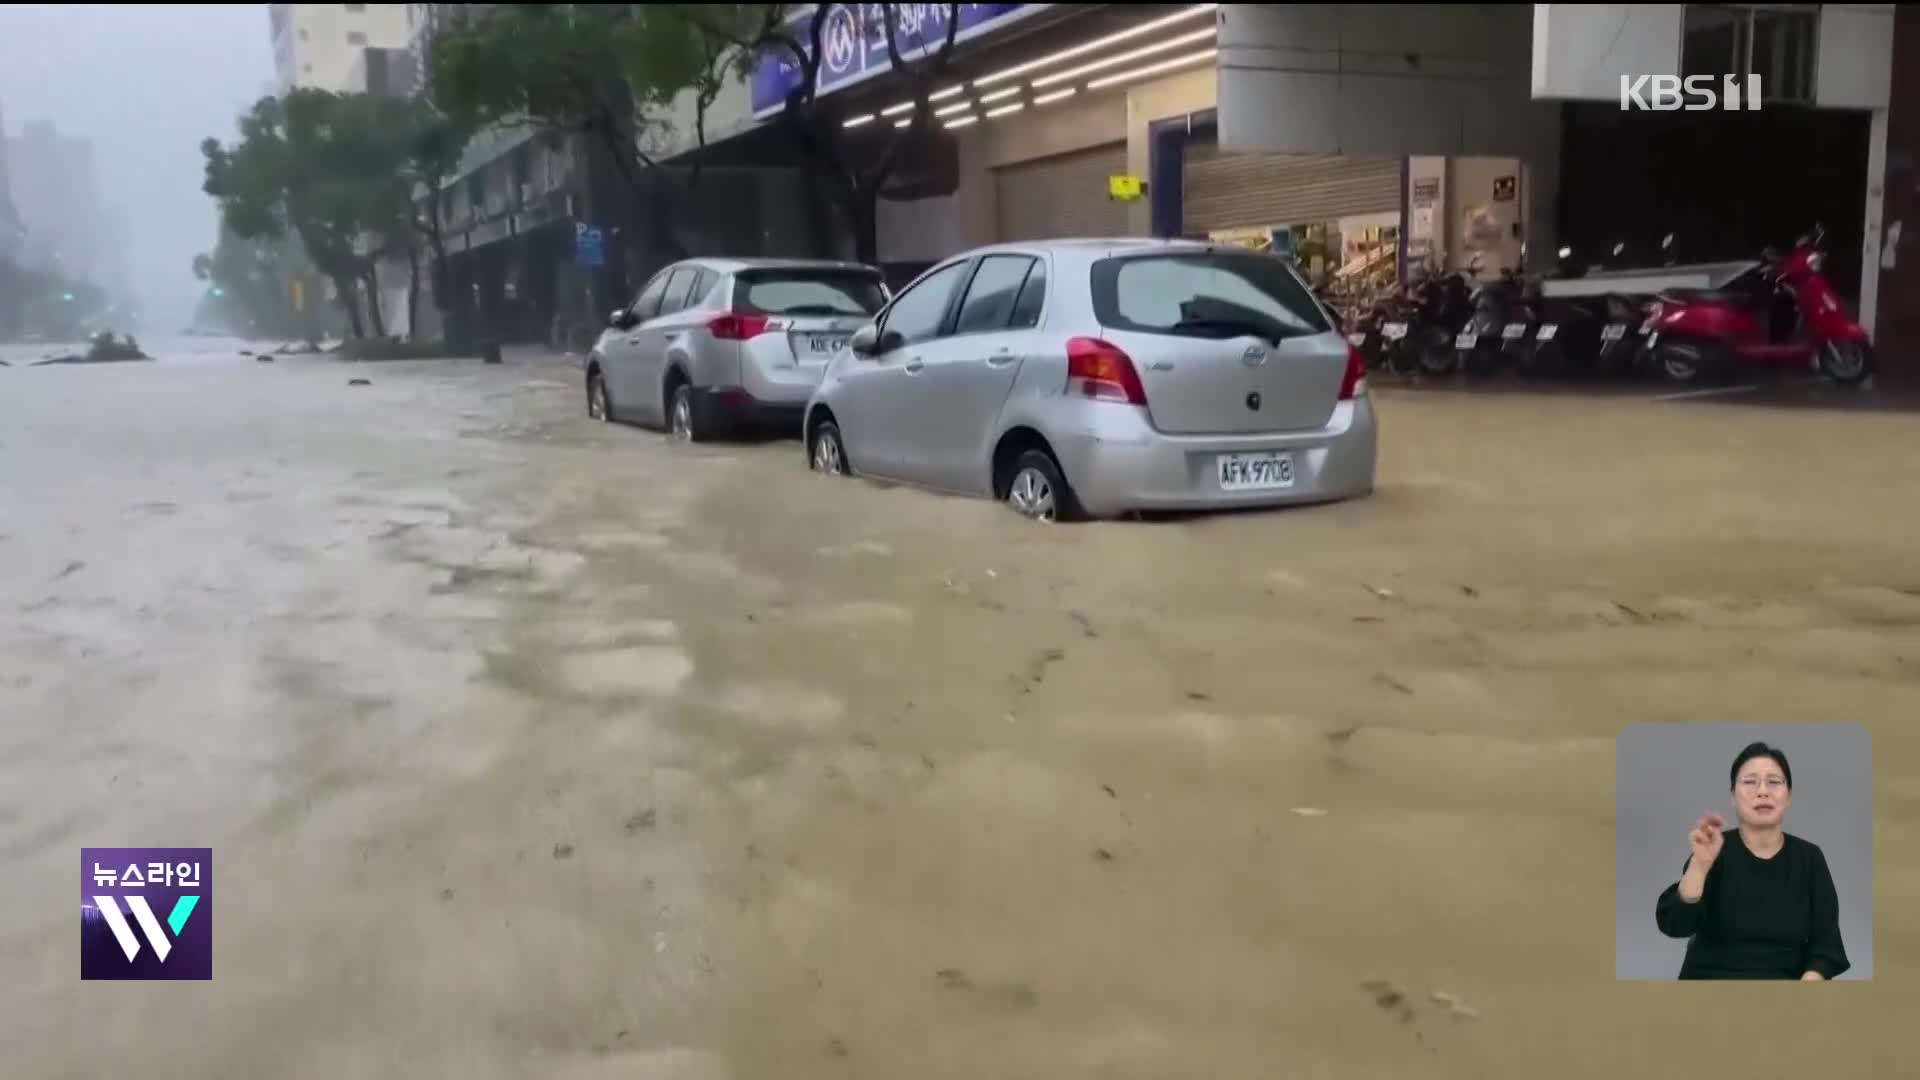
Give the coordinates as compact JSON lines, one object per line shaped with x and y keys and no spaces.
{"x":534,"y":748}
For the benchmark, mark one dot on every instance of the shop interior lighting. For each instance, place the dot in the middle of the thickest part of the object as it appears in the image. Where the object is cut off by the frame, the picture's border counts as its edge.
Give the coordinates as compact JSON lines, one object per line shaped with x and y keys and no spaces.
{"x":998,"y":94}
{"x":942,"y":95}
{"x":1142,"y":53}
{"x":1005,"y":109}
{"x":896,"y":110}
{"x":1057,"y":95}
{"x":904,"y":122}
{"x":1151,"y":69}
{"x":956,"y":107}
{"x":856,"y":121}
{"x":1128,"y":34}
{"x":961,"y":122}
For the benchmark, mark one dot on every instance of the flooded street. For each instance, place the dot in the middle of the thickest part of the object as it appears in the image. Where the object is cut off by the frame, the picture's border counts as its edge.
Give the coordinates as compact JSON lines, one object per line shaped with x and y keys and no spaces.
{"x":529,"y":747}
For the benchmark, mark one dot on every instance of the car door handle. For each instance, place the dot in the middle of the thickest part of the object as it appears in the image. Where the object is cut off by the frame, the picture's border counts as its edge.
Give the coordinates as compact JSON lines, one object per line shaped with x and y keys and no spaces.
{"x":1001,"y":358}
{"x":915,"y":366}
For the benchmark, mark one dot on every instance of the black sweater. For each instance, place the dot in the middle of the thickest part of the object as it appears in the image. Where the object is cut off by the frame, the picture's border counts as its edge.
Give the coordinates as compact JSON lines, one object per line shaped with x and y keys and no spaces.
{"x":1759,"y":918}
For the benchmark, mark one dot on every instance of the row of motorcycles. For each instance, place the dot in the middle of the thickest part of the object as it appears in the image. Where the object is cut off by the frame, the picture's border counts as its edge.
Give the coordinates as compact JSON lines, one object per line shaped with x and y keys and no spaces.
{"x":1777,"y":312}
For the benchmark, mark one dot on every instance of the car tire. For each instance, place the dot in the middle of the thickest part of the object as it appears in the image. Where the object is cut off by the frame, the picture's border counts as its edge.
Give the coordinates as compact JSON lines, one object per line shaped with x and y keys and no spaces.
{"x":599,"y":402}
{"x":1038,"y":490}
{"x":689,"y":419}
{"x":826,"y":451}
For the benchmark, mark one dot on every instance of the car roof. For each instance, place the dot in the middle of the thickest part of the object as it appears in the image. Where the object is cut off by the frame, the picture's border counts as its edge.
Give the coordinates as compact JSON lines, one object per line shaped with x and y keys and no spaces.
{"x":729,"y":265}
{"x":1086,"y":246}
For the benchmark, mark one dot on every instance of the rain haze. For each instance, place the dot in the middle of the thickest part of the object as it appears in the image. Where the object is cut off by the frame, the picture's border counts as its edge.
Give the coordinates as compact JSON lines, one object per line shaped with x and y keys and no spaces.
{"x":142,"y":85}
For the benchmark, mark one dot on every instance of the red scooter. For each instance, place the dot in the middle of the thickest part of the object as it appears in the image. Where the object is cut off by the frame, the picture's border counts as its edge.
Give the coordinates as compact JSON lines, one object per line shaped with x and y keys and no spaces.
{"x":1779,"y":313}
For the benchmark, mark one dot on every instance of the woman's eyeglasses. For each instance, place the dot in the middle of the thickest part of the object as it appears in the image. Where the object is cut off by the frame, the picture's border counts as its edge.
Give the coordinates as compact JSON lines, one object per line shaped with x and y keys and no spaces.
{"x":1754,"y":783}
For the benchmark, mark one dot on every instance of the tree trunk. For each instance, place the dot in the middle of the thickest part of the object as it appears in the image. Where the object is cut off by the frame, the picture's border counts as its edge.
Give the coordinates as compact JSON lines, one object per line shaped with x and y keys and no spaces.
{"x":349,"y":301}
{"x":863,"y":223}
{"x":413,"y":292}
{"x":374,"y":315}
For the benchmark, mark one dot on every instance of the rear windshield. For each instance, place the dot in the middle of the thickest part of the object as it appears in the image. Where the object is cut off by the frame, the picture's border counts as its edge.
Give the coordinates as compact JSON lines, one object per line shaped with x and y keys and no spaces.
{"x":1205,"y":294}
{"x":809,"y":292}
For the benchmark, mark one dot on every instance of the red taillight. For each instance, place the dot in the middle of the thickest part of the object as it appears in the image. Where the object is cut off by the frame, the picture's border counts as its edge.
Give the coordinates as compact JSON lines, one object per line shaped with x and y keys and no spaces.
{"x":1354,"y":382}
{"x":737,"y":327}
{"x":1099,"y":370}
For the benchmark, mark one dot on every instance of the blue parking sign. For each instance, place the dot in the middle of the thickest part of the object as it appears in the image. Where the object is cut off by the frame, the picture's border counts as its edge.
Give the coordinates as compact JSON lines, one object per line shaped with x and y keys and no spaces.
{"x":589,"y":244}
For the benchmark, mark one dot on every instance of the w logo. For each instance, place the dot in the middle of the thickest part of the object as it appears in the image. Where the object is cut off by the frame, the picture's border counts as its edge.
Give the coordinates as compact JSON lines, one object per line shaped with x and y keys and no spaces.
{"x":146,"y":913}
{"x":143,"y":914}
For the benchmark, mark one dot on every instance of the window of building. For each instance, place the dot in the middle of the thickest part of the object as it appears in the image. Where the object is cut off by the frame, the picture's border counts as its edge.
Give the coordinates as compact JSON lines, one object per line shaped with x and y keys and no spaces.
{"x":1775,"y":41}
{"x":355,"y":37}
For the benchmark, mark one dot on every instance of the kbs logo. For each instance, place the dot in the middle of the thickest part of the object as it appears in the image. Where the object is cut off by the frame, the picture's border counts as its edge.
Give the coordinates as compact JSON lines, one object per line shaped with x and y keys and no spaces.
{"x":1695,"y":93}
{"x":146,"y":913}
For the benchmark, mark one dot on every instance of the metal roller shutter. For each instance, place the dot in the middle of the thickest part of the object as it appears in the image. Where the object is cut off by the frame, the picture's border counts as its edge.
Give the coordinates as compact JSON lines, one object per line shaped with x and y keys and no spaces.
{"x":1061,"y":196}
{"x":1226,"y":190}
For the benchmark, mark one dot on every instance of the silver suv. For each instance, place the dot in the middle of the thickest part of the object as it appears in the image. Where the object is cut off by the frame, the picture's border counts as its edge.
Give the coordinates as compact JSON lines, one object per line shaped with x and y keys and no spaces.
{"x":1100,"y":377}
{"x":712,"y":346}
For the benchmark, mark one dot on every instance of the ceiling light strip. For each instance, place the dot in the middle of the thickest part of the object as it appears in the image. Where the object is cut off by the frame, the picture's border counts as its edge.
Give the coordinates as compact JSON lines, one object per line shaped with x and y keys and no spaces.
{"x":1057,"y":95}
{"x":961,"y":122}
{"x":1129,"y":34}
{"x":856,"y":121}
{"x":998,"y":94}
{"x":1005,"y":109}
{"x":1155,"y":49}
{"x":1151,"y":69}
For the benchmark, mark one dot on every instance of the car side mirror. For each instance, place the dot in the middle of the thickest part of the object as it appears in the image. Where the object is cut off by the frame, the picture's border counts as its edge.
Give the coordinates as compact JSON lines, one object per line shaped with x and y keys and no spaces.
{"x":865,"y":341}
{"x":622,"y":319}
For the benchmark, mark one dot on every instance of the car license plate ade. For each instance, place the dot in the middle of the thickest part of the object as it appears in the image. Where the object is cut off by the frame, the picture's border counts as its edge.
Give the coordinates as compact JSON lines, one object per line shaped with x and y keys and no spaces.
{"x":1254,"y":472}
{"x":825,"y":344}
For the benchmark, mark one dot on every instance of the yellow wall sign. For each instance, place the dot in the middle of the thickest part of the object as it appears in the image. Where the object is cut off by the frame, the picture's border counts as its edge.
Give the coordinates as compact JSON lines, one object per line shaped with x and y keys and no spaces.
{"x":1125,"y":187}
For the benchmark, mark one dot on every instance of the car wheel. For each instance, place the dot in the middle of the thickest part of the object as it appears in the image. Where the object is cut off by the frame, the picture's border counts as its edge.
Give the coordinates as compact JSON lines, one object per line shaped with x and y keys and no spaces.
{"x":599,"y":406}
{"x":828,"y":454}
{"x":1037,"y":490}
{"x":680,"y":420}
{"x":1846,"y":362}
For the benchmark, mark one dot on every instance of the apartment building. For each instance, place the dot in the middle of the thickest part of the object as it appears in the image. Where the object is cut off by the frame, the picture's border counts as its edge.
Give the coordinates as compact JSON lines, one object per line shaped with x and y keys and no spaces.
{"x":318,"y":45}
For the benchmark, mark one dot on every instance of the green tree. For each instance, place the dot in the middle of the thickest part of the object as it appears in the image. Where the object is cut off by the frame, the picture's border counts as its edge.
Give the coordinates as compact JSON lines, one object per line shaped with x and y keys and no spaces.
{"x":251,"y":287}
{"x":332,"y":170}
{"x":596,"y":71}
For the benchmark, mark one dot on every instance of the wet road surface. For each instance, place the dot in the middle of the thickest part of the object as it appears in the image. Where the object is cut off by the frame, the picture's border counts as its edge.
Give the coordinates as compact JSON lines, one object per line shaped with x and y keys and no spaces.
{"x":529,"y":747}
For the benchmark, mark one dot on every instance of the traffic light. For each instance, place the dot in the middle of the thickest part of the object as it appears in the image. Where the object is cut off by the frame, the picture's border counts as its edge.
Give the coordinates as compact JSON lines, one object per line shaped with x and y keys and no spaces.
{"x":68,"y":297}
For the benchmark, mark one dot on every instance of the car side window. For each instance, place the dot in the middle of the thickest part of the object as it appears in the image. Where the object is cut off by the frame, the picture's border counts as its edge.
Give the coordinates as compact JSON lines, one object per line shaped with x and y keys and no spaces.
{"x":676,"y":293}
{"x":702,"y":284}
{"x":1033,"y":297}
{"x":647,"y":304}
{"x":991,"y":294}
{"x":919,"y":313}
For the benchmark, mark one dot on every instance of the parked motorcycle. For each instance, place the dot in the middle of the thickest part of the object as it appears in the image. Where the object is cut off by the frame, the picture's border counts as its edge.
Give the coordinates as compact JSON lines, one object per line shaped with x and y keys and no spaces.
{"x":1438,"y":307}
{"x":1505,"y":313}
{"x":1779,"y":313}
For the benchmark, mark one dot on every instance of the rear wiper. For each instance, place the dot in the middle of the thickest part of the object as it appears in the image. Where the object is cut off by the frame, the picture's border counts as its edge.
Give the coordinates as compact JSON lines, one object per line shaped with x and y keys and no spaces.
{"x":814,"y":309}
{"x":1225,"y":328}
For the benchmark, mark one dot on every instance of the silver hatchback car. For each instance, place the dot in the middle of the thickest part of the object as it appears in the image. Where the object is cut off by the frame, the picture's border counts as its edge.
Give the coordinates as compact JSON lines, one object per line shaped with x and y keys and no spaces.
{"x":1099,"y":377}
{"x":712,"y":346}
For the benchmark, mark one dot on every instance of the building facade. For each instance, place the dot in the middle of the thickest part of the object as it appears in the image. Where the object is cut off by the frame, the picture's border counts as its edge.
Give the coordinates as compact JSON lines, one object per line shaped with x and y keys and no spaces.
{"x":316,"y":46}
{"x":55,"y":196}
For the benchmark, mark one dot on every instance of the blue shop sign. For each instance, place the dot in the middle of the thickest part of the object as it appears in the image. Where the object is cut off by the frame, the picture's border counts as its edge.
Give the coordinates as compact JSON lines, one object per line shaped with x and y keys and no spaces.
{"x":854,"y":43}
{"x":589,"y":244}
